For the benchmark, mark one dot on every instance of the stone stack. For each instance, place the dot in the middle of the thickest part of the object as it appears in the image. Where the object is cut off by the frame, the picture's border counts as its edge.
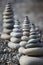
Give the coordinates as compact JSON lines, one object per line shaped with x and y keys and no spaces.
{"x":15,"y":36}
{"x":38,"y":31}
{"x":32,"y":54}
{"x":26,"y":30}
{"x":26,"y":25}
{"x":7,"y":22}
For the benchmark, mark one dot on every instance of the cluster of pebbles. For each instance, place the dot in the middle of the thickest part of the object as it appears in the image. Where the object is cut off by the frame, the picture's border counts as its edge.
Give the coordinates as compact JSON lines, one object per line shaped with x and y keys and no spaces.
{"x":32,"y":53}
{"x":7,"y":22}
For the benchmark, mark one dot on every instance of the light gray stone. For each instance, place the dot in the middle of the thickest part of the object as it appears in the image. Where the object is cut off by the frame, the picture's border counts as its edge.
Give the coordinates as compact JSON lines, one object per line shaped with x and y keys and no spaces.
{"x":16,"y":40}
{"x":32,"y":51}
{"x":5,"y":36}
{"x":26,"y":60}
{"x":23,"y":43}
{"x":13,"y":45}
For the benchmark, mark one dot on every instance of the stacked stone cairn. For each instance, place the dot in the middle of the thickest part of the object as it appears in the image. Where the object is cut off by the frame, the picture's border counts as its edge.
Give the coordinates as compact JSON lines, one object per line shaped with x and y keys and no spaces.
{"x":38,"y":31}
{"x":15,"y":36}
{"x":26,"y":31}
{"x":32,"y":53}
{"x":7,"y":22}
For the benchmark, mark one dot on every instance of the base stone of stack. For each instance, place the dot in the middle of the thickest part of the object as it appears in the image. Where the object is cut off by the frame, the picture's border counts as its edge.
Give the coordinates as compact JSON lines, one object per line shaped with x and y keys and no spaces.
{"x":26,"y":60}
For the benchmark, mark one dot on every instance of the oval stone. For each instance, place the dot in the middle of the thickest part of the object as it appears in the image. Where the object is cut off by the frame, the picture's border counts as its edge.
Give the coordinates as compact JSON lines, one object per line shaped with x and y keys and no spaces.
{"x":26,"y":60}
{"x":5,"y":36}
{"x":16,"y":40}
{"x":13,"y":45}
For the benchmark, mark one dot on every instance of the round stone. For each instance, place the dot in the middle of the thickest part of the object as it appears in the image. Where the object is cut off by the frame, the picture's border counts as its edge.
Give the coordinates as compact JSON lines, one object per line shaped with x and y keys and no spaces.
{"x":38,"y":51}
{"x":34,"y":36}
{"x":5,"y":36}
{"x":26,"y":33}
{"x":21,"y":50}
{"x":37,"y":29}
{"x":6,"y":17}
{"x":16,"y":26}
{"x":27,"y":30}
{"x":8,"y":9}
{"x":24,"y":38}
{"x":8,"y":25}
{"x":33,"y":40}
{"x":7,"y":20}
{"x":8,"y":5}
{"x":16,"y":40}
{"x":17,"y":30}
{"x":7,"y":13}
{"x":13,"y":45}
{"x":32,"y":33}
{"x":14,"y":34}
{"x":5,"y":30}
{"x":23,"y":43}
{"x":25,"y":26}
{"x":32,"y":45}
{"x":26,"y":60}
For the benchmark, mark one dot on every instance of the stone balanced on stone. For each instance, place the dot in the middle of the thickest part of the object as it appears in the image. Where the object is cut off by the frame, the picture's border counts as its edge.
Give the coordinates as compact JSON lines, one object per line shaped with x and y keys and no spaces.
{"x":32,"y":54}
{"x":15,"y":36}
{"x":7,"y":22}
{"x":26,"y":29}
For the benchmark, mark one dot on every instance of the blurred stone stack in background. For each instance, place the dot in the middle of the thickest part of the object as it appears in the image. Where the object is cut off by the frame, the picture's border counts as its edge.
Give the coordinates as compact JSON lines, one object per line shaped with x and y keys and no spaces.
{"x":32,"y":54}
{"x":7,"y":22}
{"x":34,"y":38}
{"x":38,"y":31}
{"x":15,"y":36}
